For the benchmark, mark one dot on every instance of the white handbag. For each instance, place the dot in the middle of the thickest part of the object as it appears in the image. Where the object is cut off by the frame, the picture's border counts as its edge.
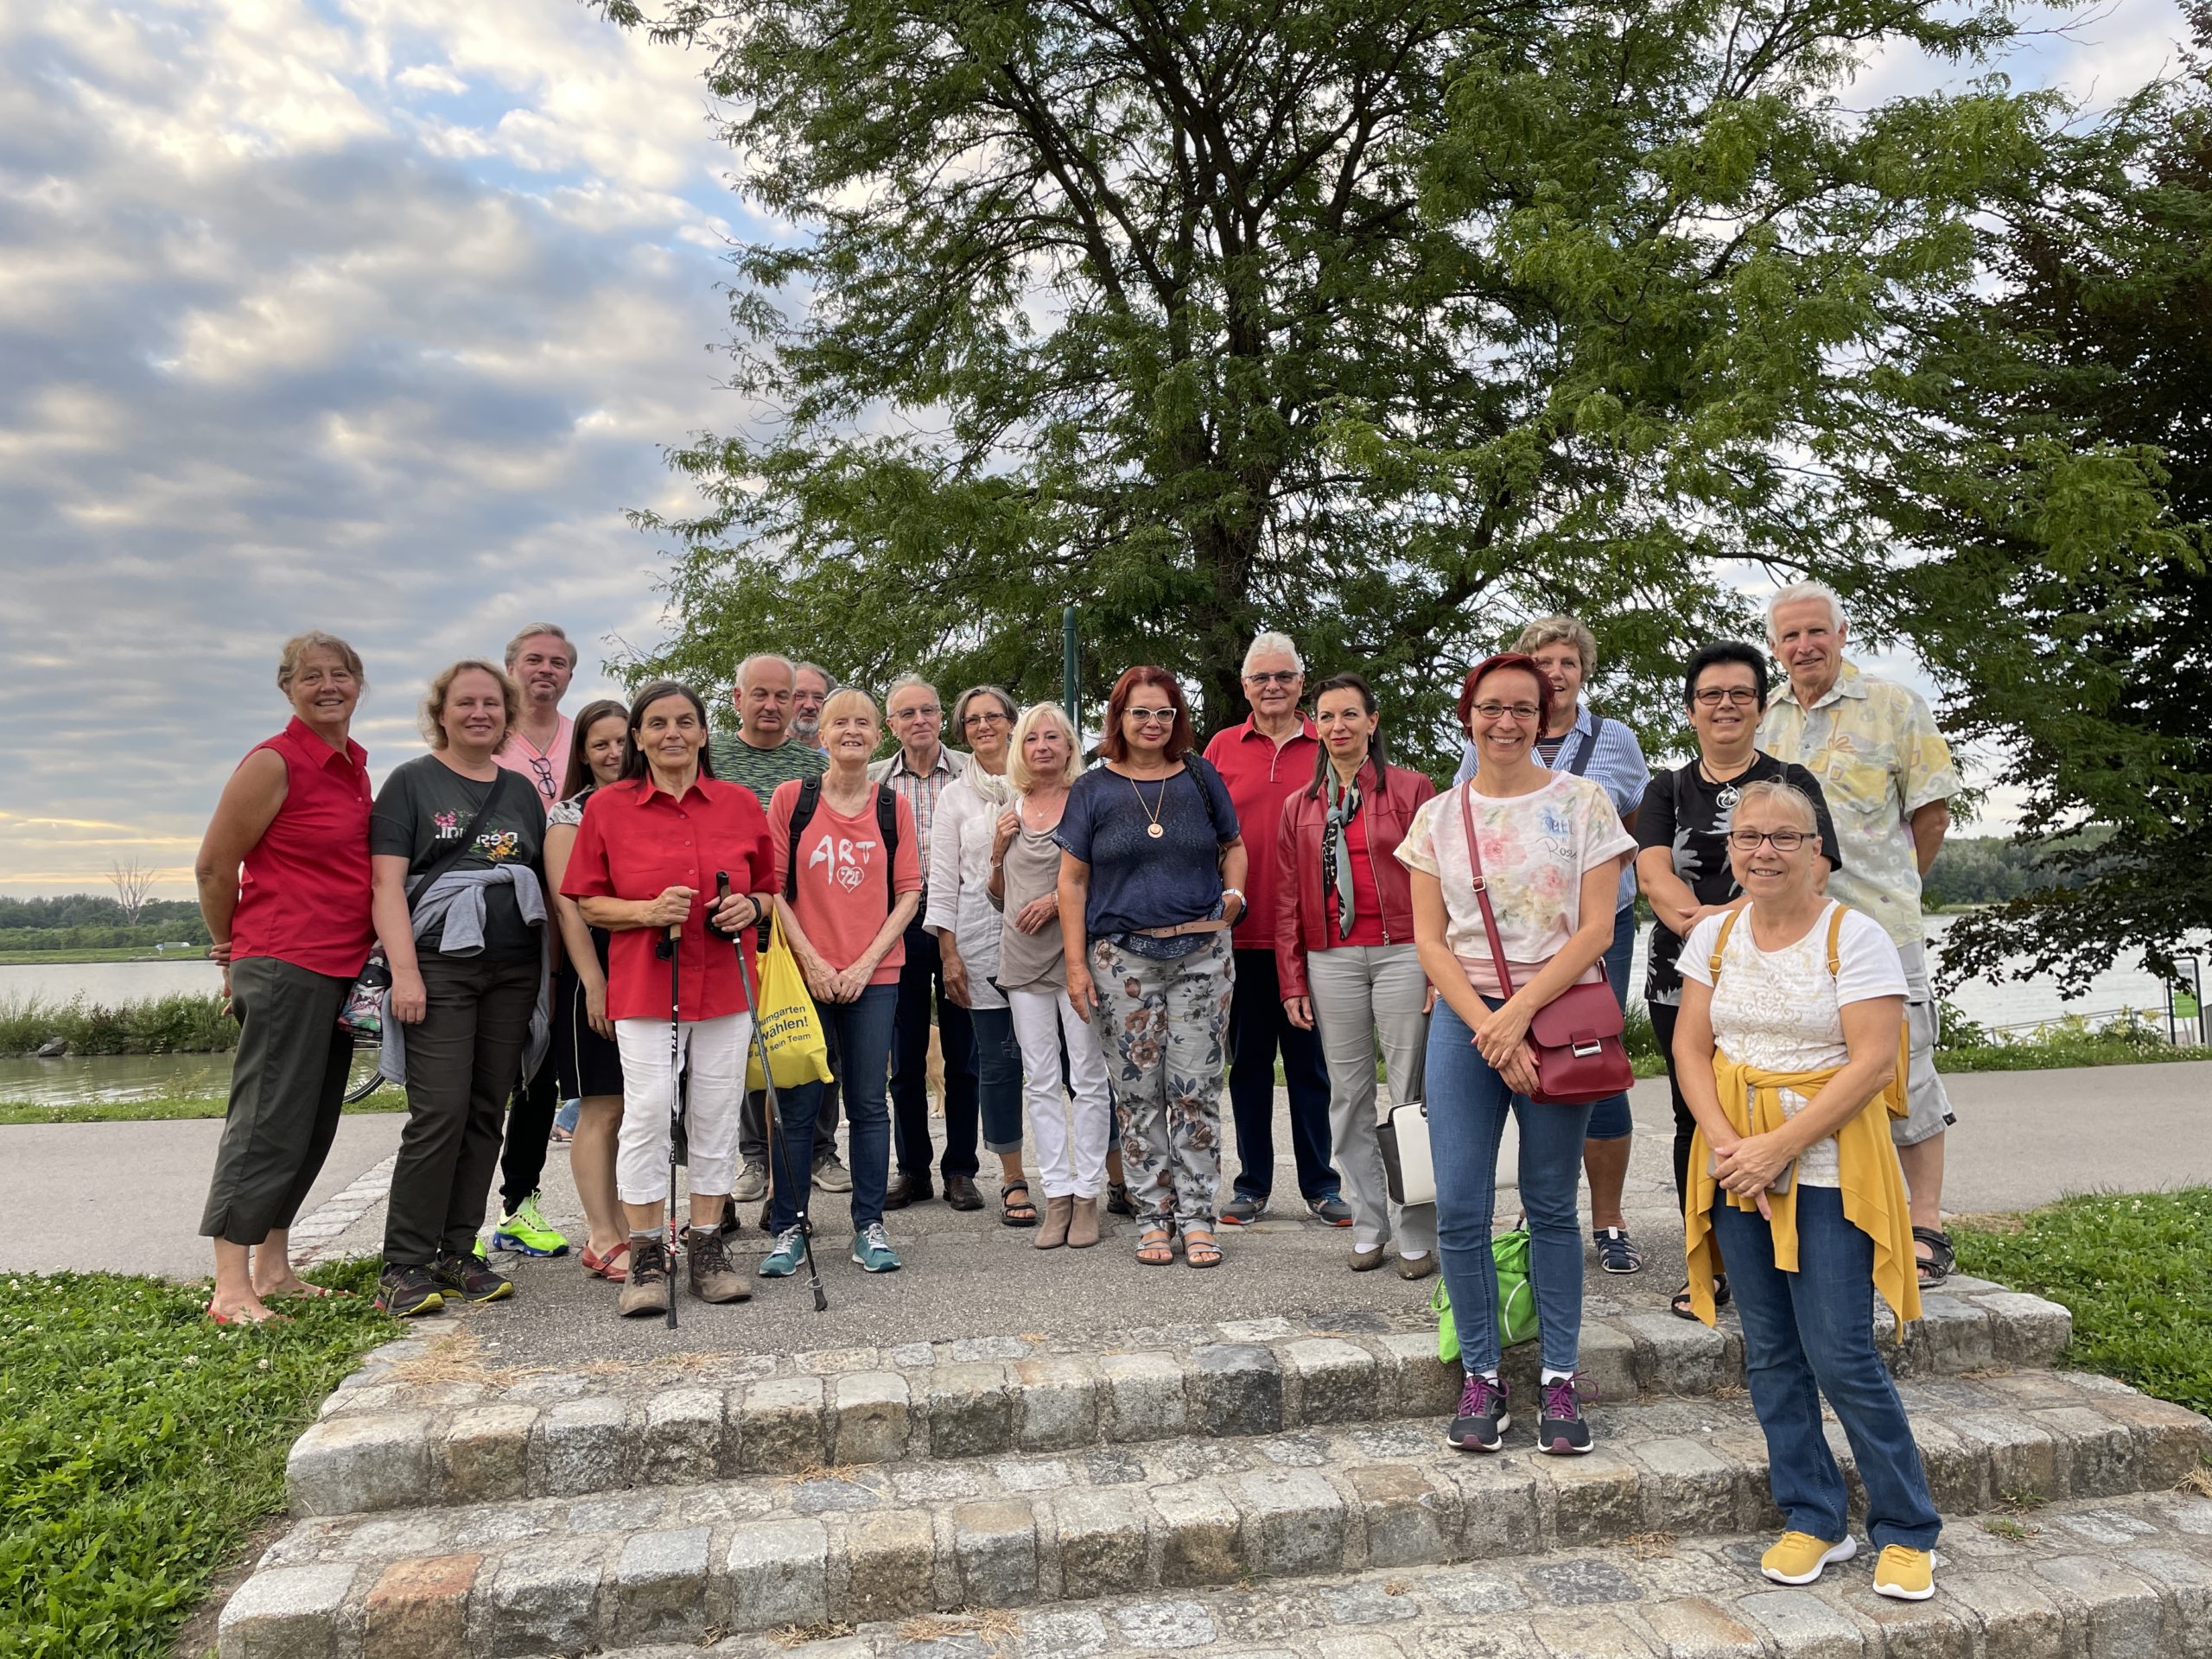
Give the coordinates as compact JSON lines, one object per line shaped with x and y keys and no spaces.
{"x":1406,"y":1164}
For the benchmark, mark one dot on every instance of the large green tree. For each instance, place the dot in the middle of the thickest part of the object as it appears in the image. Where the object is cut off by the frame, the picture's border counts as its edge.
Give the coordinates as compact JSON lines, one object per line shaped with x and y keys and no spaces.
{"x":1385,"y":325}
{"x":2052,"y":497}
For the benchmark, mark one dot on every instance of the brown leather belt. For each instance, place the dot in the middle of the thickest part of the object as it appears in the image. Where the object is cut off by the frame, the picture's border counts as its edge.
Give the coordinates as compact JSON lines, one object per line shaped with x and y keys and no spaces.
{"x":1211,"y":924}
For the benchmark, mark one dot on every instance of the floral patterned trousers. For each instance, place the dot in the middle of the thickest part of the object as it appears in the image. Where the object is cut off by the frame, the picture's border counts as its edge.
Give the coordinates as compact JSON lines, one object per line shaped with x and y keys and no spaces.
{"x":1163,"y":1027}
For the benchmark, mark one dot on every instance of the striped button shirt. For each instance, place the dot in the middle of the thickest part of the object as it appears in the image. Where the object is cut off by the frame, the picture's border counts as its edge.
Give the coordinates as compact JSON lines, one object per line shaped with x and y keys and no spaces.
{"x":920,"y":789}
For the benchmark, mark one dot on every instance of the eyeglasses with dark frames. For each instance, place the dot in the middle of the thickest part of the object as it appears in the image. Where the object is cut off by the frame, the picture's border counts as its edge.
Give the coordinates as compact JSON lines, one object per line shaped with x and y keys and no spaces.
{"x":1713,"y":696}
{"x":1785,"y":841}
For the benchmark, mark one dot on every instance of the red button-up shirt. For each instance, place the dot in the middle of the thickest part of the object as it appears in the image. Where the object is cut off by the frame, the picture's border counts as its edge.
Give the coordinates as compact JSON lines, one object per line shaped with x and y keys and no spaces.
{"x":303,"y":887}
{"x":1261,"y":777}
{"x":637,"y":840}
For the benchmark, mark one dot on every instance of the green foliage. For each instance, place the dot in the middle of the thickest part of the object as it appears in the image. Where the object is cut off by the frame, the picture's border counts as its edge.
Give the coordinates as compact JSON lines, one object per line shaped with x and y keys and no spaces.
{"x":139,"y":940}
{"x":1385,"y":325}
{"x":179,"y":1024}
{"x":2134,"y":1270}
{"x":161,"y":919}
{"x":141,"y":1443}
{"x":2134,"y":1039}
{"x":160,"y":1109}
{"x":1989,"y":870}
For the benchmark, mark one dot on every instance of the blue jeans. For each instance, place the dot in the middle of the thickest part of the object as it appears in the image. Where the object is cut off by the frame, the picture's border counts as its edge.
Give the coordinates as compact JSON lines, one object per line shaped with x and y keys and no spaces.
{"x":862,"y":1030}
{"x":1257,"y":1026}
{"x":998,"y":1078}
{"x":1810,"y":1333}
{"x":1467,"y":1105}
{"x":1609,"y":1119}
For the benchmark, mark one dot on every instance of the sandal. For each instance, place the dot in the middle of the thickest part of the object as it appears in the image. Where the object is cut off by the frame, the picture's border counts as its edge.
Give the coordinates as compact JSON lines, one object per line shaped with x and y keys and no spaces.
{"x":1935,"y":1266}
{"x":610,"y":1267}
{"x":1679,"y":1305}
{"x":1018,"y":1212}
{"x":1156,"y":1247}
{"x":1617,"y":1251}
{"x":1117,"y":1199}
{"x":1199,"y":1248}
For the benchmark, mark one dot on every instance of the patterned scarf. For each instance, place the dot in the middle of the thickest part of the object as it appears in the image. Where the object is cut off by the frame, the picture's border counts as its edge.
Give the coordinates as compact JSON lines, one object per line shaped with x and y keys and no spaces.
{"x":1336,"y":870}
{"x":992,"y":790}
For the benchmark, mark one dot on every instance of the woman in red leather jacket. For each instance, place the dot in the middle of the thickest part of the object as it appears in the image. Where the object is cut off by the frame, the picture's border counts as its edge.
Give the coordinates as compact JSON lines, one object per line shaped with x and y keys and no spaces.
{"x":1345,"y":953}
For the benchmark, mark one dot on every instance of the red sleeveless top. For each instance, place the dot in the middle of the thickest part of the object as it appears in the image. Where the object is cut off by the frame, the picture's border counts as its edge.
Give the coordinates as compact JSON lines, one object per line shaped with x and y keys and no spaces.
{"x":303,"y":894}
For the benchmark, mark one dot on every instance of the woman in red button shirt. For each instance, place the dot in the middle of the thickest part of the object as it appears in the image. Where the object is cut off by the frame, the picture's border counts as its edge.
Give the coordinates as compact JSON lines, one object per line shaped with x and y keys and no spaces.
{"x":283,"y":878}
{"x":646,"y":859}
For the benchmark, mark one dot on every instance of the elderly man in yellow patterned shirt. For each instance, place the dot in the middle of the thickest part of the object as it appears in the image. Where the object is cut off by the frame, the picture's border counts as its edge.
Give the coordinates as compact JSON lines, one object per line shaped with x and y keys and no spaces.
{"x":1888,"y":777}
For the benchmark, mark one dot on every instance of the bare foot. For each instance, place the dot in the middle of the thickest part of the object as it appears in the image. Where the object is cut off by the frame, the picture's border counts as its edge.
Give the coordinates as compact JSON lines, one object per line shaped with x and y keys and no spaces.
{"x":251,"y":1311}
{"x":291,"y":1286}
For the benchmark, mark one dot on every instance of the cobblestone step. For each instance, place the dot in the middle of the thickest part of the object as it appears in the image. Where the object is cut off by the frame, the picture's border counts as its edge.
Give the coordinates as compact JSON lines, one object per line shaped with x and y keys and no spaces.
{"x":898,"y":1540}
{"x":415,"y":1428}
{"x":2125,"y":1579}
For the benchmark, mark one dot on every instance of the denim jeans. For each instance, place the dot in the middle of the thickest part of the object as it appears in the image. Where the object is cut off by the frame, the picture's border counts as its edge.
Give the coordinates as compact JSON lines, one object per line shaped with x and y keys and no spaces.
{"x":1467,"y":1107}
{"x":1811,"y":1333}
{"x":1609,"y":1118}
{"x":998,"y":1079}
{"x":864,"y":1035}
{"x":1257,"y":1027}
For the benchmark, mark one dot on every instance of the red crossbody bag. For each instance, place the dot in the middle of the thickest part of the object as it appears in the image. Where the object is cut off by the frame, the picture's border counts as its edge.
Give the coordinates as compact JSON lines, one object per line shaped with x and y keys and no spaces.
{"x":1580,"y":1056}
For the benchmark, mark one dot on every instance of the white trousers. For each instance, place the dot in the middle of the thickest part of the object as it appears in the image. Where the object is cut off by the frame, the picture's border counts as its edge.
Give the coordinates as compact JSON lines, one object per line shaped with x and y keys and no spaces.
{"x":1069,"y":1135}
{"x":715,"y":1049}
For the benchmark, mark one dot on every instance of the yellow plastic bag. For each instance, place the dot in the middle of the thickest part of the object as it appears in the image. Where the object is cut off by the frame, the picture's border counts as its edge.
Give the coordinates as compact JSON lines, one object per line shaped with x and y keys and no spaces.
{"x":789,"y":1026}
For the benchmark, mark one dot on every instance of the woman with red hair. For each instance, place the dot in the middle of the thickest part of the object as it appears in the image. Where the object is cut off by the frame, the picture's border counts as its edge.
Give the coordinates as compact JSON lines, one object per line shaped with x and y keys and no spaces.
{"x":1152,"y":871}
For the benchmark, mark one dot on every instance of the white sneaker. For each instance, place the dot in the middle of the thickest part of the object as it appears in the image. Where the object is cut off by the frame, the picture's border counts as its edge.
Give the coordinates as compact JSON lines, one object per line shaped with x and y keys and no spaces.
{"x":751,"y":1184}
{"x":831,"y":1176}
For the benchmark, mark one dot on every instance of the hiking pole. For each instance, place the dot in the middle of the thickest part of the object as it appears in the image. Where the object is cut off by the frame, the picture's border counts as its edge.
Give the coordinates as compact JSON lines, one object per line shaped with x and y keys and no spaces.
{"x":775,"y":1113}
{"x":667,"y":951}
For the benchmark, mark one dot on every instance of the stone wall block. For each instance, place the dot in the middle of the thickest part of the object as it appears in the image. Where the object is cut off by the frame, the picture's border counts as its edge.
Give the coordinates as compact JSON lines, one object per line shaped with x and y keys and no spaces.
{"x":995,"y":1543}
{"x":683,"y":1436}
{"x":544,"y":1597}
{"x":1409,"y":1520}
{"x":1688,"y":1487}
{"x":1141,"y":1397}
{"x":284,"y":1612}
{"x":889,"y":1556}
{"x":486,"y":1453}
{"x":1957,"y":1334}
{"x":2098,"y":1453}
{"x":1677,"y":1356}
{"x":1498,"y":1513}
{"x":419,"y":1609}
{"x":1058,"y":1399}
{"x":1414,"y":1381}
{"x":1328,"y":1380}
{"x":971,"y":1410}
{"x":1234,"y":1388}
{"x":1295,"y":1521}
{"x":355,"y":1463}
{"x":1199,"y":1535}
{"x":660,"y":1584}
{"x":775,"y":1573}
{"x":781,"y":1425}
{"x":2026,"y":1330}
{"x":1103,"y":1537}
{"x":868,"y":1417}
{"x":584,"y":1446}
{"x":1598,"y":1496}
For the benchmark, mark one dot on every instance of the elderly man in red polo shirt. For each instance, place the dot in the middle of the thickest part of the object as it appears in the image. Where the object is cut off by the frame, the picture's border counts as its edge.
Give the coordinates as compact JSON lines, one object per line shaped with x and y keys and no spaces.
{"x":1266,"y":760}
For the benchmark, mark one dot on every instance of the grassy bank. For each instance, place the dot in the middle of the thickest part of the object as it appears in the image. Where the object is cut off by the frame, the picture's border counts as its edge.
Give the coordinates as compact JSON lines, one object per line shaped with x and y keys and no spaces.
{"x":62,"y":959}
{"x":160,"y":1109}
{"x":141,"y":1445}
{"x":2135,"y":1270}
{"x":181,"y":1023}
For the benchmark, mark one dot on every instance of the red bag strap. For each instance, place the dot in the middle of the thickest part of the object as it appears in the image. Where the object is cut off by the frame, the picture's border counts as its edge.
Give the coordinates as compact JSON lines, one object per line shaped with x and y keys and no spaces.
{"x":1482,"y":889}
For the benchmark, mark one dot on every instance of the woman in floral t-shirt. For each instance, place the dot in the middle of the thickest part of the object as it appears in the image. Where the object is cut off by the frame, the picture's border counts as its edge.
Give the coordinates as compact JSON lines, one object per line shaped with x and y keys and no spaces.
{"x":1551,"y":847}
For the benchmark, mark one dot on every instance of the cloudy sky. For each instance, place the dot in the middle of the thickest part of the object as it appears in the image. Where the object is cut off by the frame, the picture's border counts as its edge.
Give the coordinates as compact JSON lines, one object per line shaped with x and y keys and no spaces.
{"x":368,"y":315}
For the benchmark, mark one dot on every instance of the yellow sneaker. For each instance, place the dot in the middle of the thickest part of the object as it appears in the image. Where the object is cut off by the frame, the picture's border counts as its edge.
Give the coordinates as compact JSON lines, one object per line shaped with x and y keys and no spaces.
{"x":1906,"y":1574}
{"x":1799,"y":1557}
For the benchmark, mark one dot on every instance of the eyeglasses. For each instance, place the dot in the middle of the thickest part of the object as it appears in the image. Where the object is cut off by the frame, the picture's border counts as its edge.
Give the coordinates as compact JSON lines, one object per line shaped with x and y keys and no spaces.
{"x":994,"y":718}
{"x":544,"y":768}
{"x":1520,"y":711}
{"x":1785,"y":841}
{"x":1714,"y":696}
{"x":1276,"y":677}
{"x":919,"y":709}
{"x":1146,"y":716}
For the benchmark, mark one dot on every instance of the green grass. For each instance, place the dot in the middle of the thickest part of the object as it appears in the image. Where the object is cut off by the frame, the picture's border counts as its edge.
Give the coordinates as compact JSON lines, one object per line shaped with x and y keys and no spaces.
{"x":181,"y":1023}
{"x":141,"y":1445}
{"x":2135,"y":1270}
{"x":92,"y":953}
{"x":159,"y":1108}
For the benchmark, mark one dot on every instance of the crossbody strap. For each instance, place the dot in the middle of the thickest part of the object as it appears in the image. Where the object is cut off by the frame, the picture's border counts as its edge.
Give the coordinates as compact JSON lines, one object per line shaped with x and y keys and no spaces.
{"x":1587,"y":746}
{"x":421,"y":884}
{"x":1481,"y":888}
{"x":1836,"y":936}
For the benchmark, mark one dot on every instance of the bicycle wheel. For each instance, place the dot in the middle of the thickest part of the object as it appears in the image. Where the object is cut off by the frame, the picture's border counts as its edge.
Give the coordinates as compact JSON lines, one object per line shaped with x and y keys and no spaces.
{"x":364,"y":1079}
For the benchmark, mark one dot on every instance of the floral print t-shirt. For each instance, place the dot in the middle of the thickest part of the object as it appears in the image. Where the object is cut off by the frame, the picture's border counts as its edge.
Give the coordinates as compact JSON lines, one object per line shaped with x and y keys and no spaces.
{"x":1537,"y":848}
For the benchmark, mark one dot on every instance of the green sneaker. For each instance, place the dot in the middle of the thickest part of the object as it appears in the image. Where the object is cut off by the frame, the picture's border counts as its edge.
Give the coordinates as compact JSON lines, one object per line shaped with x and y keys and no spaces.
{"x":872,"y":1251}
{"x":526,"y":1232}
{"x":783,"y":1261}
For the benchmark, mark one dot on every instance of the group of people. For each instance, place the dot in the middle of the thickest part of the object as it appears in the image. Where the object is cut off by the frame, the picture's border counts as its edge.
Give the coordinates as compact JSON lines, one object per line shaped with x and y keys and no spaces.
{"x":572,"y":910}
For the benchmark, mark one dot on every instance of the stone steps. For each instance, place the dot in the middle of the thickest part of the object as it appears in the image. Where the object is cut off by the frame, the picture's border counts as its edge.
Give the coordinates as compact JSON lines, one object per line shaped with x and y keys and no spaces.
{"x":2116,"y":1580}
{"x":1211,"y":1506}
{"x":413,"y":1429}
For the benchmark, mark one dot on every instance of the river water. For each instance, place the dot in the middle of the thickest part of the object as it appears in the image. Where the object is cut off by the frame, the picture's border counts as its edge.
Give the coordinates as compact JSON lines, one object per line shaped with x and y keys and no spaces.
{"x":134,"y":1077}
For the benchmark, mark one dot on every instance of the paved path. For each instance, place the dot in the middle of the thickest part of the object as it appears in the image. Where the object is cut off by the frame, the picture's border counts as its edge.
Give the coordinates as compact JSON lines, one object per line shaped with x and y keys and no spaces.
{"x":2022,"y":1138}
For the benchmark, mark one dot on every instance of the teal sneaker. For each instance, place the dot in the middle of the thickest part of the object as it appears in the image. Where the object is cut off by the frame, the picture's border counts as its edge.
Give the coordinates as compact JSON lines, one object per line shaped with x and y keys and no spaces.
{"x":526,"y":1233}
{"x":783,"y":1261}
{"x":873,"y":1250}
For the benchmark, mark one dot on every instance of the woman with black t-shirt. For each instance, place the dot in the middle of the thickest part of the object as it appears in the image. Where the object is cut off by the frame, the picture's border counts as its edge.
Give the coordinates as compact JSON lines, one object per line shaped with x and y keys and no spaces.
{"x":1682,"y":833}
{"x":454,"y":845}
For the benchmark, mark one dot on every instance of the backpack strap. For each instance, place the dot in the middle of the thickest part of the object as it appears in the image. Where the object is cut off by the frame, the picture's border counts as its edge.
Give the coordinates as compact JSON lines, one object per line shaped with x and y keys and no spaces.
{"x":1720,"y":943}
{"x":1835,"y":934}
{"x":810,"y":796}
{"x":886,"y":823}
{"x":1588,"y":747}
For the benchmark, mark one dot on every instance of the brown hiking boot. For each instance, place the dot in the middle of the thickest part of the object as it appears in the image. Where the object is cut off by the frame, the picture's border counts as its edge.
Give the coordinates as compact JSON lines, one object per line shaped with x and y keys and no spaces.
{"x":1083,"y":1225}
{"x":713,"y":1278}
{"x":646,"y":1290}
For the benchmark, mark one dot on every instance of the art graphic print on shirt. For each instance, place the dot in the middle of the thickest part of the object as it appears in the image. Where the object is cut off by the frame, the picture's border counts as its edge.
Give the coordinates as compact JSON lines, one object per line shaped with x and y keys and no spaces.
{"x":843,"y":860}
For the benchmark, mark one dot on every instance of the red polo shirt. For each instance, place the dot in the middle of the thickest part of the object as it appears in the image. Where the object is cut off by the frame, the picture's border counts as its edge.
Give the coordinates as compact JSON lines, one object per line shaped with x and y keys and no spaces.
{"x":303,"y":889}
{"x":638,"y":840}
{"x":1261,"y":777}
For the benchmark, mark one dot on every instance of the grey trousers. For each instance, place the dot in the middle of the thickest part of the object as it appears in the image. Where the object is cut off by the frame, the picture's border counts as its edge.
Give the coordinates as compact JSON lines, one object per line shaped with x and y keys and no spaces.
{"x":1364,"y":994}
{"x":287,"y":1085}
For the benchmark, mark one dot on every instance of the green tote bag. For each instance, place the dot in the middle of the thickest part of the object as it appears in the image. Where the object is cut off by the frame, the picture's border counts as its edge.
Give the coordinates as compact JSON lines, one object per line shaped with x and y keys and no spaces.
{"x":1517,"y":1300}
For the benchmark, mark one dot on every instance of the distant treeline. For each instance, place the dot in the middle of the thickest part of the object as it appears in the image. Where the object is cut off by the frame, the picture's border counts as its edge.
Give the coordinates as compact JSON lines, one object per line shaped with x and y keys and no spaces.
{"x":84,"y":921}
{"x":1986,"y":870}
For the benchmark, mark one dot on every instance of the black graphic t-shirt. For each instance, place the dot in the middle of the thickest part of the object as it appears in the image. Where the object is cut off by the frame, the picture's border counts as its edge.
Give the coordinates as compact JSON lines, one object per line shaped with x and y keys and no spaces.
{"x":1682,"y":811}
{"x":420,"y":810}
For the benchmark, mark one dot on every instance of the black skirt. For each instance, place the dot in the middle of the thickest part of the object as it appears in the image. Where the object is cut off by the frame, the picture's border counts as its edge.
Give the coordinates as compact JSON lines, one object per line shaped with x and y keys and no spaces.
{"x":587,"y":1063}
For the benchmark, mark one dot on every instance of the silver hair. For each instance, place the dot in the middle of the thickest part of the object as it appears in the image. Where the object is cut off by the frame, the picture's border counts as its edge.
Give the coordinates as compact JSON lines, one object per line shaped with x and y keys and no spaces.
{"x":1788,"y":795}
{"x":830,"y":681}
{"x":906,"y":682}
{"x":764,"y":657}
{"x":1273,"y":644}
{"x":1005,"y":701}
{"x":1801,"y":590}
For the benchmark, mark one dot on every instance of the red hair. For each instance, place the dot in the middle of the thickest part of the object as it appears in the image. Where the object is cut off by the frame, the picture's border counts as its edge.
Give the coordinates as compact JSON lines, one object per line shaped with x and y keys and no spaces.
{"x":1490,"y":666}
{"x":1181,"y":740}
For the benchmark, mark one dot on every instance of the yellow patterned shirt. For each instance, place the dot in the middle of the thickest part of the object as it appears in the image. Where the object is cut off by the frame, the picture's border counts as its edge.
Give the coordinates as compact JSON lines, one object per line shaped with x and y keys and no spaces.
{"x":1874,"y":747}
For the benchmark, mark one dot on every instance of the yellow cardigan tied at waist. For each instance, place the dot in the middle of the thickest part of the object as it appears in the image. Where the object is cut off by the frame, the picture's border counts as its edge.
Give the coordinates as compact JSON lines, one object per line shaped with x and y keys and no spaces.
{"x":1872,"y":1184}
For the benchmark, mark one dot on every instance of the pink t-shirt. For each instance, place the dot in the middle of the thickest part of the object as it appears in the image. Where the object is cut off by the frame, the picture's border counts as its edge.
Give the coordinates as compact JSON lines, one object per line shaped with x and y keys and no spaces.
{"x":544,"y":769}
{"x":846,"y":885}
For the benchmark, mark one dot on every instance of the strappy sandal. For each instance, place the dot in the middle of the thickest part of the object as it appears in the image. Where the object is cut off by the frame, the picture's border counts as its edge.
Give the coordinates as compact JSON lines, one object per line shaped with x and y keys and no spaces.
{"x":1156,"y":1247}
{"x":1199,"y":1248}
{"x":1679,"y":1305}
{"x":1617,"y":1251}
{"x":1935,"y":1266}
{"x":1016,"y":1212}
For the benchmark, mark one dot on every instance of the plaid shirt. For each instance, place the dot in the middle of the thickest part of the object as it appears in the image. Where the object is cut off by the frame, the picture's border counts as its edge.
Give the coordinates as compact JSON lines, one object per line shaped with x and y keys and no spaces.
{"x":920,"y":789}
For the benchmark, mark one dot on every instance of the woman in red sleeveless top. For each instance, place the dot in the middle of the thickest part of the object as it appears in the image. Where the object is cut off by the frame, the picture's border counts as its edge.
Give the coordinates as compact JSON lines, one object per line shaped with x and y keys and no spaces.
{"x":283,"y":878}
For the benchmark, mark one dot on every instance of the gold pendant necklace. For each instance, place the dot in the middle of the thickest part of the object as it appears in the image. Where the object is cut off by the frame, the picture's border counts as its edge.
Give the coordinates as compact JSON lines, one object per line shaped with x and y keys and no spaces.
{"x":1152,"y":811}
